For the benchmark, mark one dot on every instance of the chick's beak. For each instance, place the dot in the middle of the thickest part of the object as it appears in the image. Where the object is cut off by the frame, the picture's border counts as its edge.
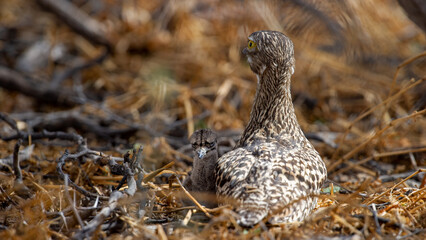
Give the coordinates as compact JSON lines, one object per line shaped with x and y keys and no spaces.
{"x":201,"y":152}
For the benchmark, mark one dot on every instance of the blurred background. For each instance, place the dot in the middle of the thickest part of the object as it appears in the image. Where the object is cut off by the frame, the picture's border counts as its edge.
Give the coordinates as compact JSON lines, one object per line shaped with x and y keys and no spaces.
{"x":151,"y":72}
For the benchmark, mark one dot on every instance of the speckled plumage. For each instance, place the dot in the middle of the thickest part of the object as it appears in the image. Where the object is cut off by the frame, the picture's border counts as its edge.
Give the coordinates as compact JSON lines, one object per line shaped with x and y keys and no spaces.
{"x":273,"y":171}
{"x":201,"y":181}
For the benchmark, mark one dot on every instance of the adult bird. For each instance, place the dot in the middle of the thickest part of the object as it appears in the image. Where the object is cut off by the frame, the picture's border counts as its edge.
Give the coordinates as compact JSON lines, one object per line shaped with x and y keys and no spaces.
{"x":273,"y":171}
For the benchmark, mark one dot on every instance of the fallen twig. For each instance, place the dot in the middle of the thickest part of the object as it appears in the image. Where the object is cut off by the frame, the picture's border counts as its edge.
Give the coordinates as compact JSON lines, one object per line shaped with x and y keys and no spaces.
{"x":74,"y":118}
{"x":59,"y":78}
{"x":376,"y":156}
{"x":78,"y":20}
{"x":15,"y":81}
{"x":16,"y":167}
{"x":400,"y":66}
{"x":376,"y":220}
{"x":61,"y":162}
{"x":201,"y":207}
{"x":368,"y":112}
{"x":90,"y":228}
{"x":71,"y":203}
{"x":46,"y":134}
{"x":393,"y":177}
{"x":154,"y":173}
{"x":377,"y":134}
{"x":19,"y":187}
{"x":11,"y":122}
{"x":346,"y":224}
{"x":396,"y":185}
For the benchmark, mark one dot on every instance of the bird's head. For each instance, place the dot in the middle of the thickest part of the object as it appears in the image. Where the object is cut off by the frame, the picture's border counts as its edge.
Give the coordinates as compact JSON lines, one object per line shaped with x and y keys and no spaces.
{"x":269,"y":49}
{"x":204,"y":143}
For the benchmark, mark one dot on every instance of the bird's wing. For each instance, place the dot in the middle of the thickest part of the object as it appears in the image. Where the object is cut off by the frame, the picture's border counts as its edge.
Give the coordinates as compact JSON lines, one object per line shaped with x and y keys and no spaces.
{"x":242,"y":178}
{"x":297,"y":176}
{"x":266,"y":178}
{"x":232,"y":169}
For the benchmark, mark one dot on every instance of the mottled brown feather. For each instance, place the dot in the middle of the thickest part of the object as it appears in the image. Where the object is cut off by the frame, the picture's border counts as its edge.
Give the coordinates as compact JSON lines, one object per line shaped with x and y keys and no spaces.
{"x":273,"y":170}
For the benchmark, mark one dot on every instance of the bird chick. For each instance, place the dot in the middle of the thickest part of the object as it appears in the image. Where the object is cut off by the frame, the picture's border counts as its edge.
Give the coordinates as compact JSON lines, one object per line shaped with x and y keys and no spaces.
{"x":201,"y":180}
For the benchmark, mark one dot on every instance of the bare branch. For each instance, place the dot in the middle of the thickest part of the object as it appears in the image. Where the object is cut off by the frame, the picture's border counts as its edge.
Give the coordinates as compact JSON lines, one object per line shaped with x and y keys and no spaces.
{"x":78,"y":20}
{"x":90,"y":228}
{"x":15,"y":81}
{"x":71,"y":203}
{"x":61,"y":162}
{"x":16,"y":167}
{"x":11,"y":122}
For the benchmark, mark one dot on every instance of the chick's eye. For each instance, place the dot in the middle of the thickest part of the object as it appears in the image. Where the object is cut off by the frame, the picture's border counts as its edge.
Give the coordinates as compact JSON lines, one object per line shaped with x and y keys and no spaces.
{"x":251,"y":44}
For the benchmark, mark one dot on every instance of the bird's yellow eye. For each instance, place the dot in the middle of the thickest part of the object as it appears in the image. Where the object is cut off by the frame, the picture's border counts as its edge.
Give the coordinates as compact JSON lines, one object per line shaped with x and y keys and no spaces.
{"x":251,"y":44}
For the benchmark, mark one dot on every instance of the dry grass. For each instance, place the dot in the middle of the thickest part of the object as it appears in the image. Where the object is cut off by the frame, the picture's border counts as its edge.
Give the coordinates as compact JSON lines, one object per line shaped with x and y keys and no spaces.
{"x":359,"y":83}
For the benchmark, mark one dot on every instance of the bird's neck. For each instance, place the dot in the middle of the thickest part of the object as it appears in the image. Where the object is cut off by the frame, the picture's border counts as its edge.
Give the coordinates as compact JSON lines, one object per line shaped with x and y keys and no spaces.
{"x":204,"y":167}
{"x":272,"y":115}
{"x":203,"y":177}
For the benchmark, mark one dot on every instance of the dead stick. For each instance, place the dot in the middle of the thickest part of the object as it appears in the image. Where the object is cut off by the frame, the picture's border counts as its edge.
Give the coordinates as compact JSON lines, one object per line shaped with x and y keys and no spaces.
{"x":15,"y":81}
{"x":16,"y":167}
{"x":78,"y":20}
{"x":201,"y":207}
{"x":392,"y":188}
{"x":346,"y":223}
{"x":400,"y":66}
{"x":11,"y":122}
{"x":71,"y":203}
{"x":61,"y":162}
{"x":91,"y":227}
{"x":419,"y":207}
{"x":175,"y":209}
{"x":380,"y":132}
{"x":390,"y":99}
{"x":376,"y":156}
{"x":156,"y":172}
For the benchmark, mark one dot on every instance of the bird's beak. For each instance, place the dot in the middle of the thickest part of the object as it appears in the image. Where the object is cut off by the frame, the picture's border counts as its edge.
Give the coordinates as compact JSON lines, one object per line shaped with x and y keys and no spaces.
{"x":201,"y":152}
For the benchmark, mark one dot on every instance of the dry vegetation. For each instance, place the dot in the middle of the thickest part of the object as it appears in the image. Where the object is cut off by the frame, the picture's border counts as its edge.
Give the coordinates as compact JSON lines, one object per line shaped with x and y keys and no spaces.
{"x":151,"y":72}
